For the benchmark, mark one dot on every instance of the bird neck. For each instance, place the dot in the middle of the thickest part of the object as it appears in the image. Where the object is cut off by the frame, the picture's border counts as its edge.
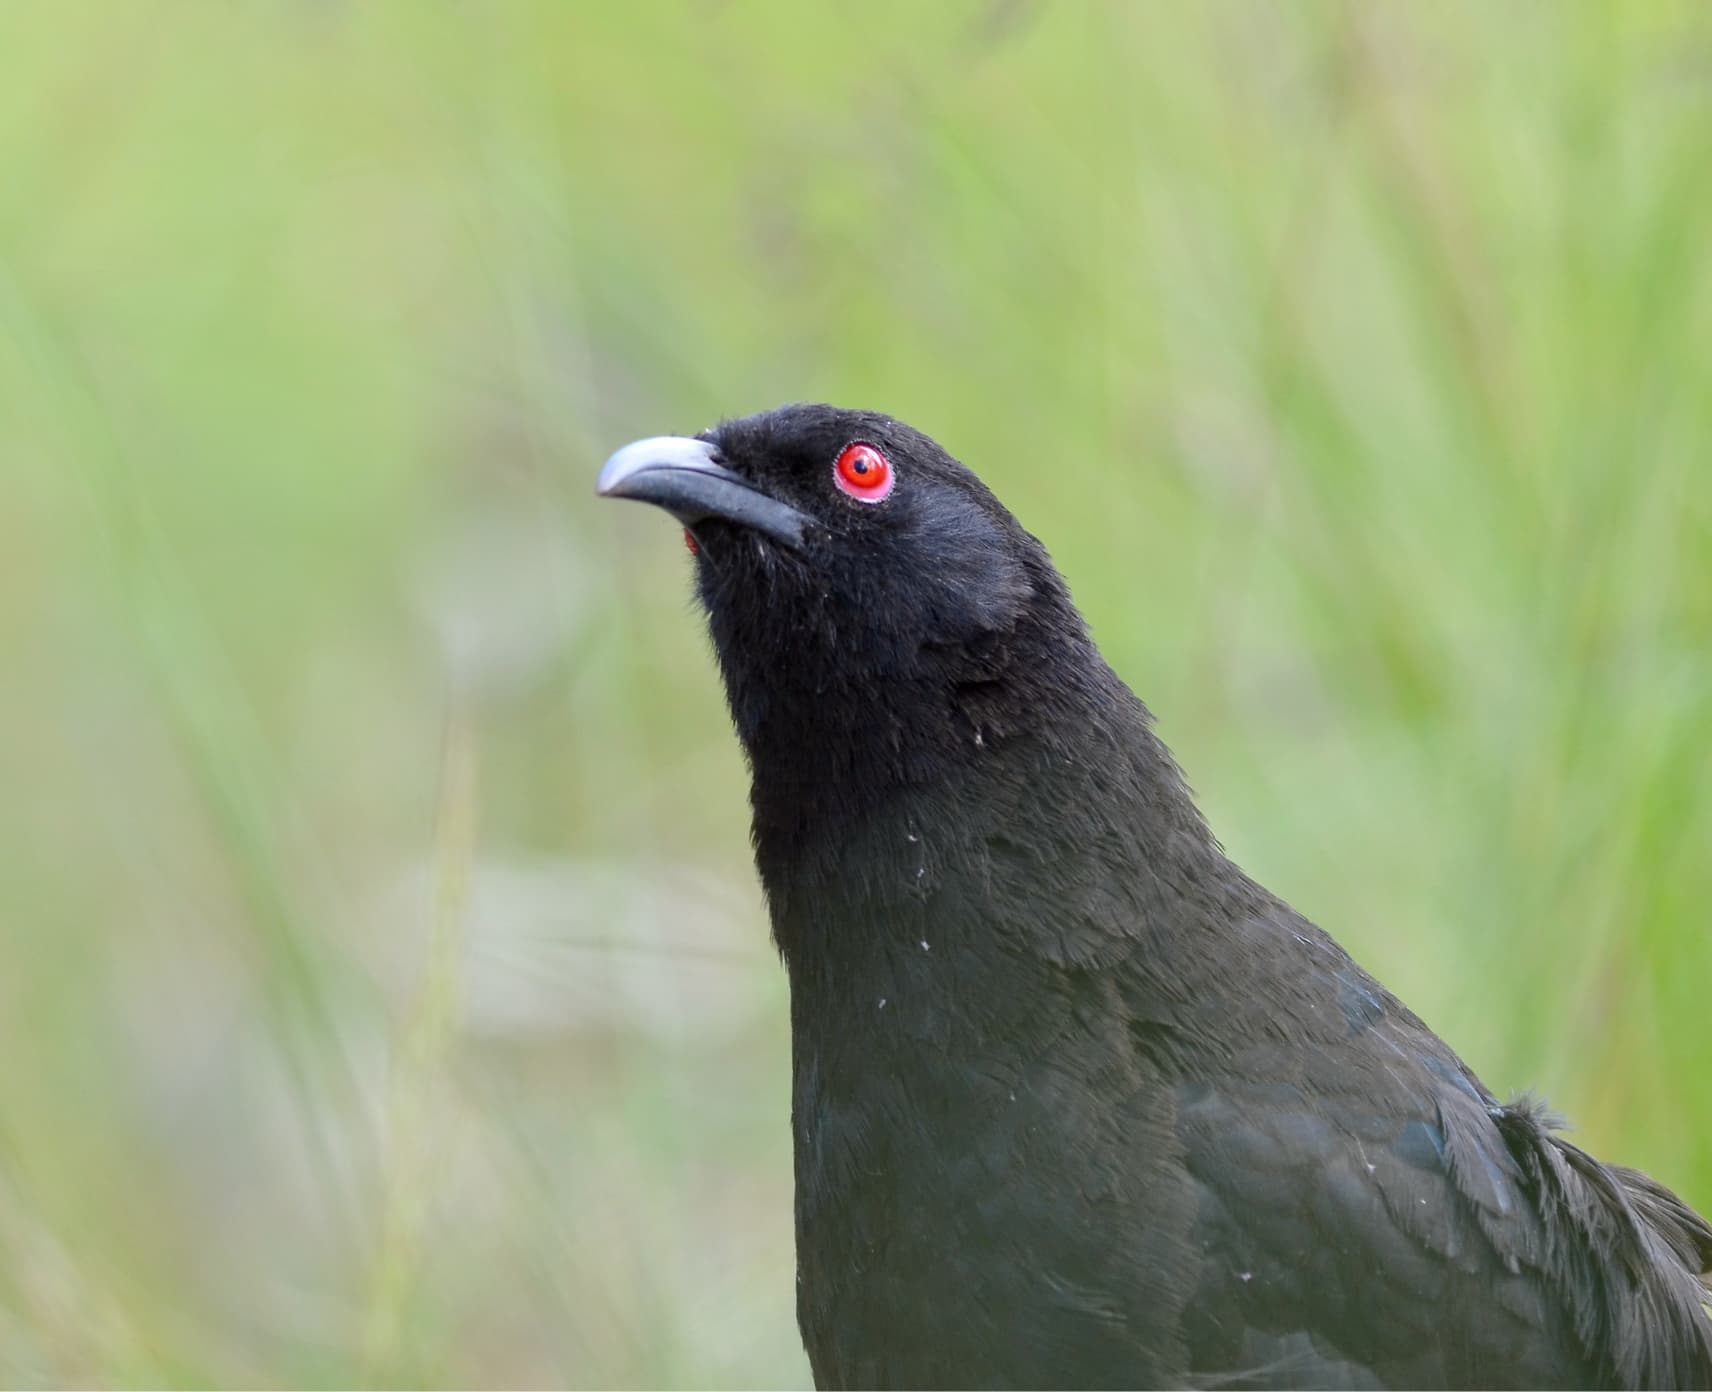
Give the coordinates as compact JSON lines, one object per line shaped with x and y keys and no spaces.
{"x":1062,"y":796}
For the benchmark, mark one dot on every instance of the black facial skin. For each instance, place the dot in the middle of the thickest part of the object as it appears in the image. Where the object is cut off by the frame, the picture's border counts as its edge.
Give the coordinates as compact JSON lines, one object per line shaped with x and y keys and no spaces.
{"x":1075,"y":1101}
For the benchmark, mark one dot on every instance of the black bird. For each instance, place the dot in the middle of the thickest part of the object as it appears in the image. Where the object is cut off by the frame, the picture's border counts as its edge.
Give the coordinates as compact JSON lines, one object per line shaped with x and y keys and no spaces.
{"x":1075,"y":1101}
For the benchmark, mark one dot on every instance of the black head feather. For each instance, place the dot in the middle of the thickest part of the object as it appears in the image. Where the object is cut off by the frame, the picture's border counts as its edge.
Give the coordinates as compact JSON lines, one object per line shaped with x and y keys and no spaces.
{"x":909,"y":590}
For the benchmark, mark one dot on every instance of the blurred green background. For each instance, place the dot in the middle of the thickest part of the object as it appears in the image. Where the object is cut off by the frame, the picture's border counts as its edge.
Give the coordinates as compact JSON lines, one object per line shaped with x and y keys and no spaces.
{"x":385,"y":996}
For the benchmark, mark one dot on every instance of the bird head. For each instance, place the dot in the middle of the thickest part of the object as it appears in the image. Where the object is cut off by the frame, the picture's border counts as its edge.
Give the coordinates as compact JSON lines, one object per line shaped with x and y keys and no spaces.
{"x":849,"y":520}
{"x":866,"y":593}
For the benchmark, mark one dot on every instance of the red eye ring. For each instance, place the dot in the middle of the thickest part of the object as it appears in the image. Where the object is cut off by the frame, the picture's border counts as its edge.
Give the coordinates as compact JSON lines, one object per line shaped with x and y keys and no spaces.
{"x":862,"y":473}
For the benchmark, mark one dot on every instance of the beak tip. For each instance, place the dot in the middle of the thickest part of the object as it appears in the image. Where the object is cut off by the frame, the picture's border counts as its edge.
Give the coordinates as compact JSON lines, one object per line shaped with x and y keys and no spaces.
{"x":624,"y":464}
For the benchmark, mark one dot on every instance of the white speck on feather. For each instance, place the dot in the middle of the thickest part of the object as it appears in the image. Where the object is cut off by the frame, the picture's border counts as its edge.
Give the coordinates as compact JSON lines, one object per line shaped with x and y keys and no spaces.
{"x":1372,"y":1168}
{"x":1245,"y":1275}
{"x":912,"y":836}
{"x":924,"y":946}
{"x":882,"y":1002}
{"x":979,"y":742}
{"x":1013,"y":1097}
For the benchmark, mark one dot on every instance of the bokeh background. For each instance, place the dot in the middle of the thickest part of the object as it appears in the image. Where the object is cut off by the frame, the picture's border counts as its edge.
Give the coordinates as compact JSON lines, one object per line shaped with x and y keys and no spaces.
{"x":384,"y":996}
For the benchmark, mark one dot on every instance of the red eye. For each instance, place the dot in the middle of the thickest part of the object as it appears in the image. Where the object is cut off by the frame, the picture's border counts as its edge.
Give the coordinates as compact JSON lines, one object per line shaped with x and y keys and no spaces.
{"x":863,"y":473}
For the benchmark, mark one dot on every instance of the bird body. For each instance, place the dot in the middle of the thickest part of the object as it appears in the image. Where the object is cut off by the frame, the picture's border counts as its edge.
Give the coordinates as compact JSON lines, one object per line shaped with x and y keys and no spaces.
{"x":1075,"y":1101}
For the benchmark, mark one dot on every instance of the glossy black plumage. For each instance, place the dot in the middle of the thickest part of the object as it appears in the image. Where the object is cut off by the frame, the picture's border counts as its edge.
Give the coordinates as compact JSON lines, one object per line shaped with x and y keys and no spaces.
{"x":1077,"y":1103}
